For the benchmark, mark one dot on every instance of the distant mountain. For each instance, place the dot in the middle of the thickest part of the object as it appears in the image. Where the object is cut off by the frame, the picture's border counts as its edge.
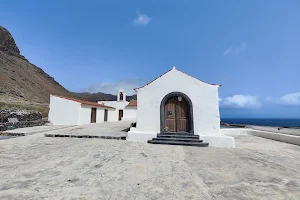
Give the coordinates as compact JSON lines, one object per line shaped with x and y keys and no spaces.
{"x":19,"y":79}
{"x":95,"y":97}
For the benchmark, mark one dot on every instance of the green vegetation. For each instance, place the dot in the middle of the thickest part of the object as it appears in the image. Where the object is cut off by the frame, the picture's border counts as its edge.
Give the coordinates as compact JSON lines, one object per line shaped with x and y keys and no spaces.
{"x":43,"y":108}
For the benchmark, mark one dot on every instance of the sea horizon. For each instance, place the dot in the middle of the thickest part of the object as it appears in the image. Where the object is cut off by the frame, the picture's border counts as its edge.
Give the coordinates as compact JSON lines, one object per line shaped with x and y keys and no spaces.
{"x":281,"y":122}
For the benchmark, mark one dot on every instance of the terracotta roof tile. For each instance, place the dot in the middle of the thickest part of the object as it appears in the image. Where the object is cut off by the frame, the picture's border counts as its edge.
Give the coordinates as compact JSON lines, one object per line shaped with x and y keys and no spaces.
{"x":84,"y":102}
{"x":132,"y":103}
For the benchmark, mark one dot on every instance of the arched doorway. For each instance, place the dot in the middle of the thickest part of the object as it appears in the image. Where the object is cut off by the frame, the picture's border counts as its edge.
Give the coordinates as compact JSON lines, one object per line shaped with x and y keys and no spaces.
{"x":176,"y":112}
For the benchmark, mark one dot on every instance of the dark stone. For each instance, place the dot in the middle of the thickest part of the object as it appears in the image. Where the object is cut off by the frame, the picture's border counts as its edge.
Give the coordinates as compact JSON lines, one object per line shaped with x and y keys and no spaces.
{"x":225,"y":125}
{"x":21,"y":124}
{"x":143,"y":154}
{"x":19,"y":115}
{"x":15,"y":134}
{"x":2,"y":128}
{"x":133,"y":124}
{"x":7,"y":42}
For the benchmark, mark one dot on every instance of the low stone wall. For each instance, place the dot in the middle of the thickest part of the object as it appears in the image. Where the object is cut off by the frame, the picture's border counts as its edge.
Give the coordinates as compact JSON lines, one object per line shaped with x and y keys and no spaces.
{"x":22,"y":124}
{"x":20,"y":115}
{"x":282,"y":137}
{"x":291,"y":139}
{"x":86,"y":136}
{"x":290,"y":131}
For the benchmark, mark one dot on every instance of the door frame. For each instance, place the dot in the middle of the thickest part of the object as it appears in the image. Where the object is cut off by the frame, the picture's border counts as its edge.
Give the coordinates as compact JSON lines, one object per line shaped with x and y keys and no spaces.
{"x":93,"y":111}
{"x":121,"y":111}
{"x":190,"y":111}
{"x":105,"y":115}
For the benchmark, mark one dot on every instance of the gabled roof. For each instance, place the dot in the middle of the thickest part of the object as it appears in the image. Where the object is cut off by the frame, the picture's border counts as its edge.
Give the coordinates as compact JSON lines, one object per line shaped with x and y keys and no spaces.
{"x":132,"y":103}
{"x":181,"y":72}
{"x":85,"y":102}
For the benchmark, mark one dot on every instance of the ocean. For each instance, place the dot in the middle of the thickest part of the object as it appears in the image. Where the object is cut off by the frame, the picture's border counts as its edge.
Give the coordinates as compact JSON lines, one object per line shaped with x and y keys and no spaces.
{"x":263,"y":121}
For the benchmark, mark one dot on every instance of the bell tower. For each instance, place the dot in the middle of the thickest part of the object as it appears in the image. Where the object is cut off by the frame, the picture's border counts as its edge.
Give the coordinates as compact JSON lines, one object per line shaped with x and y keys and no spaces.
{"x":121,"y":95}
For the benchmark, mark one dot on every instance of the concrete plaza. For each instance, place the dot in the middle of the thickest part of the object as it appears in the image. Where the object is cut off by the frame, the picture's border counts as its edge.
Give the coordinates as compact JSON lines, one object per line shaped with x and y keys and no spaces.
{"x":38,"y":167}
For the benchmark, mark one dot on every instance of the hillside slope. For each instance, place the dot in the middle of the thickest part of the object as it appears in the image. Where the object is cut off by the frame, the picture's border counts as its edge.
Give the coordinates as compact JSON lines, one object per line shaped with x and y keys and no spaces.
{"x":19,"y":79}
{"x":25,"y":83}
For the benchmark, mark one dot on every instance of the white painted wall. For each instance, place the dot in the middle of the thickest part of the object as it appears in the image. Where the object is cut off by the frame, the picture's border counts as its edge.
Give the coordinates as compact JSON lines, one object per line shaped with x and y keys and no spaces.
{"x":203,"y":96}
{"x":67,"y":112}
{"x":130,"y":113}
{"x":100,"y":115}
{"x":86,"y":111}
{"x":63,"y":111}
{"x":85,"y":115}
{"x":113,"y":115}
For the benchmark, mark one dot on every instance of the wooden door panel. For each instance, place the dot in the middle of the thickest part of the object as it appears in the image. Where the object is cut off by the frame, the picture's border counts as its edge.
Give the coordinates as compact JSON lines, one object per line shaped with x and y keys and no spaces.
{"x":170,"y":123}
{"x":170,"y":115}
{"x":182,"y":125}
{"x":182,"y":115}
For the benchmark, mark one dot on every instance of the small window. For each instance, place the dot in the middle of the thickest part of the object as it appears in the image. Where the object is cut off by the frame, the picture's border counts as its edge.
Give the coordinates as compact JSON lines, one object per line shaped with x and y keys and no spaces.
{"x":121,"y":96}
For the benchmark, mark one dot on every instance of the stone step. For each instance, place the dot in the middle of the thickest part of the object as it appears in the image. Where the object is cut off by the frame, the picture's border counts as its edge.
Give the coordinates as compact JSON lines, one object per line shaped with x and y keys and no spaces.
{"x":178,"y":136}
{"x":178,"y":139}
{"x":198,"y":144}
{"x":176,"y":133}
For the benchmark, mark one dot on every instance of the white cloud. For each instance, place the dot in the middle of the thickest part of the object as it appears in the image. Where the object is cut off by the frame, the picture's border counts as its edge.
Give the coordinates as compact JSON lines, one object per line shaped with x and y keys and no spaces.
{"x":292,"y":99}
{"x":113,"y":87}
{"x":240,"y":101}
{"x":235,"y":49}
{"x":141,"y":19}
{"x":268,"y":99}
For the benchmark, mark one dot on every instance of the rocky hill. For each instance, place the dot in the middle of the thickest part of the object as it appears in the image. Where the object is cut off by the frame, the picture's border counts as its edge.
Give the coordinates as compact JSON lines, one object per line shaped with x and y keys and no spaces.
{"x":25,"y":83}
{"x":21,"y":80}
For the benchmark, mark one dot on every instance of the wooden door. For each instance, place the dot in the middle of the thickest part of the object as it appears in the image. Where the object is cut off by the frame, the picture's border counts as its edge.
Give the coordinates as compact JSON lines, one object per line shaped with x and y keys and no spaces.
{"x":93,"y":115}
{"x":170,"y":116}
{"x":120,"y":114}
{"x":182,"y":122}
{"x":176,"y":115}
{"x":105,"y":115}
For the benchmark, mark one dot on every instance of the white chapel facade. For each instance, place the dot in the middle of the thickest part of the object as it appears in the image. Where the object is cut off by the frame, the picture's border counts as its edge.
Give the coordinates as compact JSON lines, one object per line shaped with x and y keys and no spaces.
{"x":177,"y":102}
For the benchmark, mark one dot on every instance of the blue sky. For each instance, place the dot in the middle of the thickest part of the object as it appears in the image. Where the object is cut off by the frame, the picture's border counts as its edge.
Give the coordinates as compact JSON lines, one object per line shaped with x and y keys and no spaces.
{"x":250,"y":47}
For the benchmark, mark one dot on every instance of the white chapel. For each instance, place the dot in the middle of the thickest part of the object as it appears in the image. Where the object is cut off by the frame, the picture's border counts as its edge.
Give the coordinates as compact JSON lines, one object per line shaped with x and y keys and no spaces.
{"x":175,"y":106}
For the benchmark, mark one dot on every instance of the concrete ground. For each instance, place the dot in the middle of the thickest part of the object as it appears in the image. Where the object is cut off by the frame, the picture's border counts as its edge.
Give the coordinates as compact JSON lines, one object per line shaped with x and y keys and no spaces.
{"x":37,"y":167}
{"x":101,"y":129}
{"x":39,"y":129}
